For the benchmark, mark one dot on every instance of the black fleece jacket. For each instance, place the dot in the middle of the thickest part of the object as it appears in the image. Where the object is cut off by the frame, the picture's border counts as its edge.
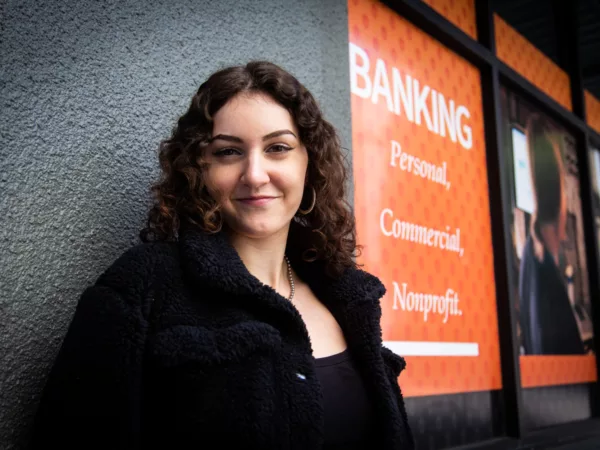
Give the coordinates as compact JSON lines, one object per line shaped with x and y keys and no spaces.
{"x":178,"y":346}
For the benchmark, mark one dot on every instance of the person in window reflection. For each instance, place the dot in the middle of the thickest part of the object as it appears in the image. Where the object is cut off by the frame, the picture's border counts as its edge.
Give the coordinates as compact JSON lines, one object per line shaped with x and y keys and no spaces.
{"x":548,"y":324}
{"x":242,"y":320}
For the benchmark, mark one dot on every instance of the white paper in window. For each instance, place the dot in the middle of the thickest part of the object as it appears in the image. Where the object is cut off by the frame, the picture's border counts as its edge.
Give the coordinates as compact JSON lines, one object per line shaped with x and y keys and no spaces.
{"x":523,"y":186}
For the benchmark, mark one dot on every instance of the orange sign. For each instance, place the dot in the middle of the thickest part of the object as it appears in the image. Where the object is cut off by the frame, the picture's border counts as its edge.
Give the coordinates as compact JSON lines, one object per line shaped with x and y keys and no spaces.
{"x":522,"y":56}
{"x":592,"y":111}
{"x":460,"y":12}
{"x":421,"y":201}
{"x":550,"y":370}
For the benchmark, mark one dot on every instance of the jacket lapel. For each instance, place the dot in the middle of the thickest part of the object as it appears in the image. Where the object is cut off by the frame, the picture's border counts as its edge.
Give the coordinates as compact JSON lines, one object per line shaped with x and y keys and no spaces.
{"x":353,"y":299}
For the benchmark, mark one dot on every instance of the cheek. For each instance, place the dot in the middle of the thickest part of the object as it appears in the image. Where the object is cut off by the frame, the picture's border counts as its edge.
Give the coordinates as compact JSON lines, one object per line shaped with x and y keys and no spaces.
{"x":294,"y":183}
{"x":301,"y":169}
{"x":219,"y":181}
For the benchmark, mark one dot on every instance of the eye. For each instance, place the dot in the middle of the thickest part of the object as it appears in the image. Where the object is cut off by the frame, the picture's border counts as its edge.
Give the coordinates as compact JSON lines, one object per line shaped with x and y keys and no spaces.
{"x":226,"y":152}
{"x":279,"y":148}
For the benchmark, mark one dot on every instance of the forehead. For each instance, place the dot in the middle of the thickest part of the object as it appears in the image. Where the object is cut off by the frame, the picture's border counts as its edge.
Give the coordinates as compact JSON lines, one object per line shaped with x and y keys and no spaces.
{"x":252,"y":114}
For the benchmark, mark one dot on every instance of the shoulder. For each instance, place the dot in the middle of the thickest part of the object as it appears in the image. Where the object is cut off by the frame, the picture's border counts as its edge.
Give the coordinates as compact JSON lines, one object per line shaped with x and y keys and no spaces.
{"x":364,"y":284}
{"x":119,"y":295}
{"x":134,"y":268}
{"x":528,"y":256}
{"x":393,"y":361}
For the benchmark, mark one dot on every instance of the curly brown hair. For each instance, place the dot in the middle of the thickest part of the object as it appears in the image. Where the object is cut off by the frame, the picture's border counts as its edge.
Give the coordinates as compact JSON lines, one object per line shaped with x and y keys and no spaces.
{"x":181,"y":194}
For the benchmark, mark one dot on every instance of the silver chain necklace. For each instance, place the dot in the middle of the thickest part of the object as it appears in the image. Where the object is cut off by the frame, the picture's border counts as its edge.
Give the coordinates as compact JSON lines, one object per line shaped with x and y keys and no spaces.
{"x":290,"y":278}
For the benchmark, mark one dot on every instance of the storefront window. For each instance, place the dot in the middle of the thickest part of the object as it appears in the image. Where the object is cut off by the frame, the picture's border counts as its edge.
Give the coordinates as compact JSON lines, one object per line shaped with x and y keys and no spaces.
{"x":549,"y":265}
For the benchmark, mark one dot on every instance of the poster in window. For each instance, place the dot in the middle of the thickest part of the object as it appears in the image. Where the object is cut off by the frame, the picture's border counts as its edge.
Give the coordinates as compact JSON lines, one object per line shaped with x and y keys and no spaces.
{"x":421,"y":201}
{"x":548,"y":248}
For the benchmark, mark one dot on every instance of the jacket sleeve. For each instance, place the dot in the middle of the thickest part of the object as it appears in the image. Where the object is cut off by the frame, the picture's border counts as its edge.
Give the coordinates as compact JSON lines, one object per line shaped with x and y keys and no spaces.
{"x":395,"y":364}
{"x":92,"y":396}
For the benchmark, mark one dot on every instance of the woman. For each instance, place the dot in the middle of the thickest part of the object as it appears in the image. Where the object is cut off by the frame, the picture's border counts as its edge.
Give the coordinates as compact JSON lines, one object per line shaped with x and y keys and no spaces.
{"x":548,"y":324}
{"x":242,"y":320}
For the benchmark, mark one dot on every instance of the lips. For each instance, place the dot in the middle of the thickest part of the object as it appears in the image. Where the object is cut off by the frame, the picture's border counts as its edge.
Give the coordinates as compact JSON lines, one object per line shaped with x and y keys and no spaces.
{"x":256,"y":201}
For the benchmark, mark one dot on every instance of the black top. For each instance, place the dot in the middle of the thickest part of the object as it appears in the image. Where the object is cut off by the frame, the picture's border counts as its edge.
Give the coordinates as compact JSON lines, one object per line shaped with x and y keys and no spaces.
{"x":348,"y":413}
{"x":548,"y":325}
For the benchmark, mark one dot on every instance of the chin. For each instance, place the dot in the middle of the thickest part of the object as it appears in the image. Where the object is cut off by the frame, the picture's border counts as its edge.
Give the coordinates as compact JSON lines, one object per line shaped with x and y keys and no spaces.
{"x":259,"y":230}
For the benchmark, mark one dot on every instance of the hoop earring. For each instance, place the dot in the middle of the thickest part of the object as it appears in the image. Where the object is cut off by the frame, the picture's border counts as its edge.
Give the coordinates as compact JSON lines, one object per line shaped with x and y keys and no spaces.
{"x":304,"y":212}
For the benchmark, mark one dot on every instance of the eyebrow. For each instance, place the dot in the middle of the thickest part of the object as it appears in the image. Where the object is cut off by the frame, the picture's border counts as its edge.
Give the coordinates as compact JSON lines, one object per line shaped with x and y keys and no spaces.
{"x":266,"y":137}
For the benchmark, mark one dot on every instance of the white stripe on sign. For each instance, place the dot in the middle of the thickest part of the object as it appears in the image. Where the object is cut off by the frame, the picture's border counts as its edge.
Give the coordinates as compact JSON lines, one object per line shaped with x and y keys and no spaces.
{"x":418,"y":348}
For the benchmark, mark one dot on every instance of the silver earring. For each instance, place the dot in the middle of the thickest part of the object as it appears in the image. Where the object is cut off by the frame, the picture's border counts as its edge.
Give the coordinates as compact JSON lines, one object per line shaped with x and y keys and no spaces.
{"x":304,"y":212}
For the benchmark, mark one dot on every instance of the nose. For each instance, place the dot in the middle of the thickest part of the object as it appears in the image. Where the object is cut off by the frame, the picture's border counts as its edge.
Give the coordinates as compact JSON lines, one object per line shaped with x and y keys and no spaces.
{"x":255,"y":172}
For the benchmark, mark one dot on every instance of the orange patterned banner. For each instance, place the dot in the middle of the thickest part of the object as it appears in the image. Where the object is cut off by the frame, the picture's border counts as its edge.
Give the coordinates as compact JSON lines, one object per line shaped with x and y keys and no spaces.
{"x":421,"y":201}
{"x":592,"y":111}
{"x":460,"y":12}
{"x":557,"y":369}
{"x":521,"y":55}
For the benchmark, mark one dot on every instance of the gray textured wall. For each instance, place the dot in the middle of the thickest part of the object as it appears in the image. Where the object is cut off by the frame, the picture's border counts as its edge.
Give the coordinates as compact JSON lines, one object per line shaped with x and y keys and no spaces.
{"x":88,"y":89}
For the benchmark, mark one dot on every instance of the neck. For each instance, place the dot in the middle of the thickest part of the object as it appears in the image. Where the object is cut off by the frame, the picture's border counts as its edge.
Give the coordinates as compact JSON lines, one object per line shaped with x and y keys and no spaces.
{"x":264,"y":258}
{"x":551,"y":240}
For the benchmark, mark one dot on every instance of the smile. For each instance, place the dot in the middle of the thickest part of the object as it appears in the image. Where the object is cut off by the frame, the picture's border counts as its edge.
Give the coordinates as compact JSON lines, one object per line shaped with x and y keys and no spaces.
{"x":256,"y":201}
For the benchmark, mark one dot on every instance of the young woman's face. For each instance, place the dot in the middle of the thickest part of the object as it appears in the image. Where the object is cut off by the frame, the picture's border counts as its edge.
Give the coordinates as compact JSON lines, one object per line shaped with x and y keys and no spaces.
{"x":256,"y":165}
